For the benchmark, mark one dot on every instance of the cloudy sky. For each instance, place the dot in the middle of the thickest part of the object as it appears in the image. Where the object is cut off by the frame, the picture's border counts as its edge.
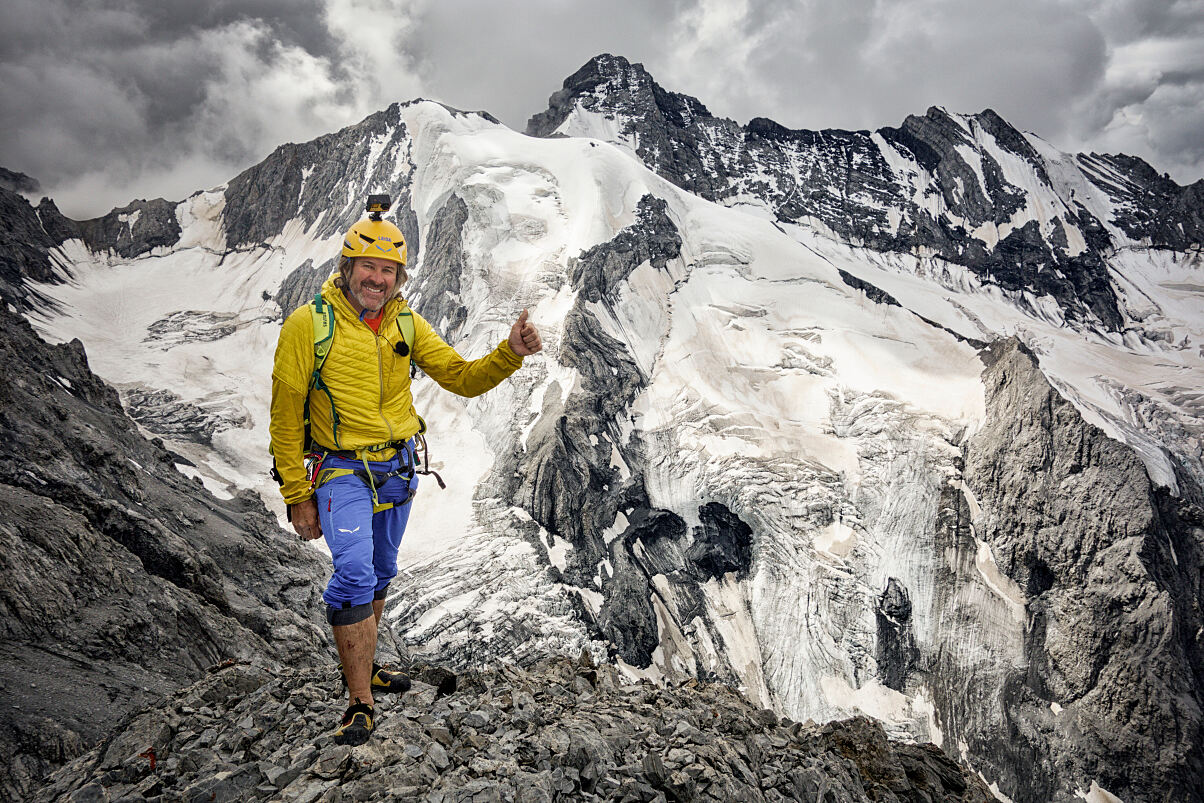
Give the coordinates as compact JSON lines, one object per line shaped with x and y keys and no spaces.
{"x":132,"y":99}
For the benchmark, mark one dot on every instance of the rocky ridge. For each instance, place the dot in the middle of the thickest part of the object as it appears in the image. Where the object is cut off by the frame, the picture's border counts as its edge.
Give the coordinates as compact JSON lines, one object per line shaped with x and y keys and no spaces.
{"x":1109,"y":569}
{"x":17,"y":182}
{"x":120,"y":578}
{"x":308,"y":181}
{"x":27,"y":235}
{"x":942,"y":184}
{"x":133,"y":230}
{"x":557,"y":730}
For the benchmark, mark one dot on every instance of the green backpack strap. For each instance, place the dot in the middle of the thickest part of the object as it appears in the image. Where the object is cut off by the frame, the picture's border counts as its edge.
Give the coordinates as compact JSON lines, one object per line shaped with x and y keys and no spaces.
{"x":323,"y":319}
{"x":405,"y":323}
{"x":322,"y":315}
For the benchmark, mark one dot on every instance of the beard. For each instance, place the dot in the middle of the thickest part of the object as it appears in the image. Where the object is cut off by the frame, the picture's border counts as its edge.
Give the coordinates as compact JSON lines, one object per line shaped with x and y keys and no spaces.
{"x":361,"y":291}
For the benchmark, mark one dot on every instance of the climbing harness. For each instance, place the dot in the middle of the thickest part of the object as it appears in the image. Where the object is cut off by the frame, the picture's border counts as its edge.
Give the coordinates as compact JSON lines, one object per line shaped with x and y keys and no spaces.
{"x":417,"y":454}
{"x":374,"y":480}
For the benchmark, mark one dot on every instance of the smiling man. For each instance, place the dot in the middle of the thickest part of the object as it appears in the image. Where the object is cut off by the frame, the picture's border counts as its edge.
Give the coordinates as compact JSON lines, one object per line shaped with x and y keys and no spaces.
{"x":346,"y":438}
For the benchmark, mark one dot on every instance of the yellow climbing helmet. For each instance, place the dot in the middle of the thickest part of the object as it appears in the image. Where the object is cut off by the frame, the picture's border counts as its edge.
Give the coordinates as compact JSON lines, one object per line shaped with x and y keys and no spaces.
{"x":373,"y":237}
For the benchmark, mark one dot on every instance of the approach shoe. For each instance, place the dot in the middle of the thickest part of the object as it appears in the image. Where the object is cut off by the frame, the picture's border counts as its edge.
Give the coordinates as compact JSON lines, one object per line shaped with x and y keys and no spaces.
{"x":384,"y":680}
{"x":357,"y":725}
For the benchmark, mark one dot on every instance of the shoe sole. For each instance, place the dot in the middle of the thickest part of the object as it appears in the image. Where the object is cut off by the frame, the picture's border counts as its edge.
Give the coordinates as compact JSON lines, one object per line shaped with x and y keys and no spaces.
{"x":357,"y":731}
{"x":352,"y":738}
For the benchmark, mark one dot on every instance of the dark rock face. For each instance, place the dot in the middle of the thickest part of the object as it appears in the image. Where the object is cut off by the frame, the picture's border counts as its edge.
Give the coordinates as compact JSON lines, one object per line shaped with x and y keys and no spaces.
{"x":872,"y":292}
{"x":120,"y":579}
{"x":584,"y":475}
{"x":844,"y":180}
{"x":897,"y":652}
{"x":55,"y":223}
{"x":439,"y":297}
{"x":1023,"y":260}
{"x":563,"y":485}
{"x":302,"y":284}
{"x":628,"y":618}
{"x":654,"y":238}
{"x":135,"y":229}
{"x":1111,"y":569}
{"x":13,"y":181}
{"x":557,"y":730}
{"x":568,"y":483}
{"x":310,"y":181}
{"x":722,"y":544}
{"x":26,"y":236}
{"x":1151,"y":207}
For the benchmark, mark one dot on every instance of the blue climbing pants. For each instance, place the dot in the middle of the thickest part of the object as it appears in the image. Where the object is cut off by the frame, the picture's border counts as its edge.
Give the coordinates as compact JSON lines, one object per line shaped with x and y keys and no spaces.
{"x":363,"y":544}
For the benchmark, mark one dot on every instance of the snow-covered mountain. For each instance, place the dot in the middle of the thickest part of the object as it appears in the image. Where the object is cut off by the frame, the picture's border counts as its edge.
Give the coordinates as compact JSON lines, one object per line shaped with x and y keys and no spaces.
{"x":766,"y":442}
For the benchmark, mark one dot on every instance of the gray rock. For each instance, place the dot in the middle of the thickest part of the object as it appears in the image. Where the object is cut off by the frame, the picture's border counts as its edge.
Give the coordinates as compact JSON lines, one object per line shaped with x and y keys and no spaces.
{"x":438,"y":756}
{"x":133,"y":230}
{"x":223,"y":787}
{"x":332,"y":763}
{"x":124,"y":580}
{"x":26,"y":236}
{"x":609,"y":745}
{"x":92,"y":793}
{"x":303,"y":283}
{"x":1107,"y":562}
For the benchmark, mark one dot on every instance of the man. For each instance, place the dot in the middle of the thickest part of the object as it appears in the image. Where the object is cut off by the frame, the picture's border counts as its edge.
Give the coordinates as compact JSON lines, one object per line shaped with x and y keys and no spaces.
{"x":362,"y":430}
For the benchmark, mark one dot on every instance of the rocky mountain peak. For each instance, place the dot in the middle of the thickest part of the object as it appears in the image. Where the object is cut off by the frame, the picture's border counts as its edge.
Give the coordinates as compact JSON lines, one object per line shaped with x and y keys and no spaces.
{"x":614,"y":87}
{"x":13,"y":181}
{"x":307,"y":180}
{"x":939,"y":133}
{"x":134,"y":229}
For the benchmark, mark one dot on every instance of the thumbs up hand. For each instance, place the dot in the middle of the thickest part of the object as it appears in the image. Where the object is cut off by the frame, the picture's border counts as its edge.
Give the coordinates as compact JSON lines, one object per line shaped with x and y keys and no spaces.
{"x":524,"y":337}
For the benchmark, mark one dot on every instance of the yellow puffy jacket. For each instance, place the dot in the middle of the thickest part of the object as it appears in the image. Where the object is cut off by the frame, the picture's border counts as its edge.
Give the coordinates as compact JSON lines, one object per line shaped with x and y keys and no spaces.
{"x":369,"y":382}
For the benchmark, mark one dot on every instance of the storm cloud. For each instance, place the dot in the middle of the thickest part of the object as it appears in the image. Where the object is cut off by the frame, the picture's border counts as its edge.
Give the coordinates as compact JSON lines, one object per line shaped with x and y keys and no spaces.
{"x":133,"y":98}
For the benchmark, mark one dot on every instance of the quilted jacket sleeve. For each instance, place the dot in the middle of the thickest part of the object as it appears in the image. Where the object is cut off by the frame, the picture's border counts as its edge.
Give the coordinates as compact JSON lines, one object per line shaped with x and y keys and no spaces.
{"x":290,"y":385}
{"x":462,"y":377}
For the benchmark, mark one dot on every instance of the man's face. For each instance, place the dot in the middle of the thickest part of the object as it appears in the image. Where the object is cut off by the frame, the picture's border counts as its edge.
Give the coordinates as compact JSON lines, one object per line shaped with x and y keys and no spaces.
{"x":372,"y":282}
